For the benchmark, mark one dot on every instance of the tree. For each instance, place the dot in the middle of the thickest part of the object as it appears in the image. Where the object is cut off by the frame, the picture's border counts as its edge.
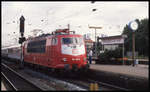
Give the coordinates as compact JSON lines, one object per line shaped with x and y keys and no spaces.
{"x":141,"y":38}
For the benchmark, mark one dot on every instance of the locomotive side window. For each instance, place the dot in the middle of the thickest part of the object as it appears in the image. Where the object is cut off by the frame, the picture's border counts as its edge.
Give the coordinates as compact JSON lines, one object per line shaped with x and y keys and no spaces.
{"x":54,"y":41}
{"x":36,"y":46}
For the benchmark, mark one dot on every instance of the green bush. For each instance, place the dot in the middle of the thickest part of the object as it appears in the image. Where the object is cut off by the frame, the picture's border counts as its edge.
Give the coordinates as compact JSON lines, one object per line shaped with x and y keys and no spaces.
{"x":110,"y":55}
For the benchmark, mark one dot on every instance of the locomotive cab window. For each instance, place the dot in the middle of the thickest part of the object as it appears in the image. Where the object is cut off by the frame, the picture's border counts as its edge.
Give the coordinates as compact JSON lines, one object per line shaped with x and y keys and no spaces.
{"x":67,"y":40}
{"x":73,"y":40}
{"x":78,"y":40}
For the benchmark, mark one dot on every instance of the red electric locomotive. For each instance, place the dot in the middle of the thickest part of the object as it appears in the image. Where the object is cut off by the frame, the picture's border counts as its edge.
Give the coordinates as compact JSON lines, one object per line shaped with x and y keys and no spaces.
{"x":63,"y":49}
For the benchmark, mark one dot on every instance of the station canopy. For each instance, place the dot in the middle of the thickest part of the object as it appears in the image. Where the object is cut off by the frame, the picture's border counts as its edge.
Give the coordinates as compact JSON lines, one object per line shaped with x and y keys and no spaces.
{"x":118,"y":39}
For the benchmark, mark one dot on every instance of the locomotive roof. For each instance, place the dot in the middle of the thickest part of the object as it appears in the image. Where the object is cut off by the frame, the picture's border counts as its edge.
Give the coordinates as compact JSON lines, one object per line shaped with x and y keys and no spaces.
{"x":47,"y":36}
{"x":55,"y":33}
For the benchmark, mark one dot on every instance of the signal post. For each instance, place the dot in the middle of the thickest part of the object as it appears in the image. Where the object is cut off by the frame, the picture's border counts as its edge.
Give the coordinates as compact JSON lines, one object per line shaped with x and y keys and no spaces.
{"x":22,"y":39}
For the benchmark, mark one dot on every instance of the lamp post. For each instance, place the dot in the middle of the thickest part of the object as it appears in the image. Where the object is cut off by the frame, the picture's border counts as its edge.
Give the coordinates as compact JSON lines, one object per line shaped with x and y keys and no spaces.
{"x":133,"y":25}
{"x":123,"y":36}
{"x":95,"y":38}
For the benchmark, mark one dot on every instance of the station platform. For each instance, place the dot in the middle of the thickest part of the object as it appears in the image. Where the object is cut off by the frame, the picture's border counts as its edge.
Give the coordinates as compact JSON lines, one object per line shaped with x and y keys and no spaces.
{"x":137,"y":71}
{"x":128,"y":70}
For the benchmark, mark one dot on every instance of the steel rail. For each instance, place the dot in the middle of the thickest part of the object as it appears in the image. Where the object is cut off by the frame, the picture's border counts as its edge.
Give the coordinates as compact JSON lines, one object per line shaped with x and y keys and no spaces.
{"x":20,"y":76}
{"x":8,"y":81}
{"x":109,"y":85}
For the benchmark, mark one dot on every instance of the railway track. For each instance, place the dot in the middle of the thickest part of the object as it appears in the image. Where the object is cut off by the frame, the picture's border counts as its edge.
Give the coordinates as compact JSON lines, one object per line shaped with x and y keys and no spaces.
{"x":16,"y":81}
{"x":84,"y":81}
{"x":109,"y":86}
{"x":39,"y":74}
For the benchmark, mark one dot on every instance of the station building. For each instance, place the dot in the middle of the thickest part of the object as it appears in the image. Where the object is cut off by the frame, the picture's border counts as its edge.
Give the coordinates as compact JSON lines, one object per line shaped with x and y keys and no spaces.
{"x":111,"y":42}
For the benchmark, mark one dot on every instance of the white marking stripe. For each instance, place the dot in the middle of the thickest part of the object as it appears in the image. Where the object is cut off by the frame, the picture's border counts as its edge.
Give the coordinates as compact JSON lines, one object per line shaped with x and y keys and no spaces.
{"x":79,"y":50}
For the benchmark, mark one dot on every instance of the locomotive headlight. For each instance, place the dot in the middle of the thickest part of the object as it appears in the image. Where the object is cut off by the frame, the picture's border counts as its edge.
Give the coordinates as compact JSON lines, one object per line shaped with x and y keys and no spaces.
{"x":78,"y":59}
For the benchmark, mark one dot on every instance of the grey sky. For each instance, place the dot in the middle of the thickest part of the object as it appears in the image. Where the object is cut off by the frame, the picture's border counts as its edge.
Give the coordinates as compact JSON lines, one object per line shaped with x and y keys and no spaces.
{"x":48,"y":16}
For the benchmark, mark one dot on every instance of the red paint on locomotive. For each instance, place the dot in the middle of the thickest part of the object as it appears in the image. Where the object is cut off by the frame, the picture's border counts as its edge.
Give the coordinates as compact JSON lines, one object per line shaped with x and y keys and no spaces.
{"x":61,"y":51}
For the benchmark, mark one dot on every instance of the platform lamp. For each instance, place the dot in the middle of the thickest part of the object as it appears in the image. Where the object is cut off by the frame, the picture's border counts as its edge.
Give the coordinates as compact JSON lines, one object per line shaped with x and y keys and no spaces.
{"x":133,"y":26}
{"x":93,"y":27}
